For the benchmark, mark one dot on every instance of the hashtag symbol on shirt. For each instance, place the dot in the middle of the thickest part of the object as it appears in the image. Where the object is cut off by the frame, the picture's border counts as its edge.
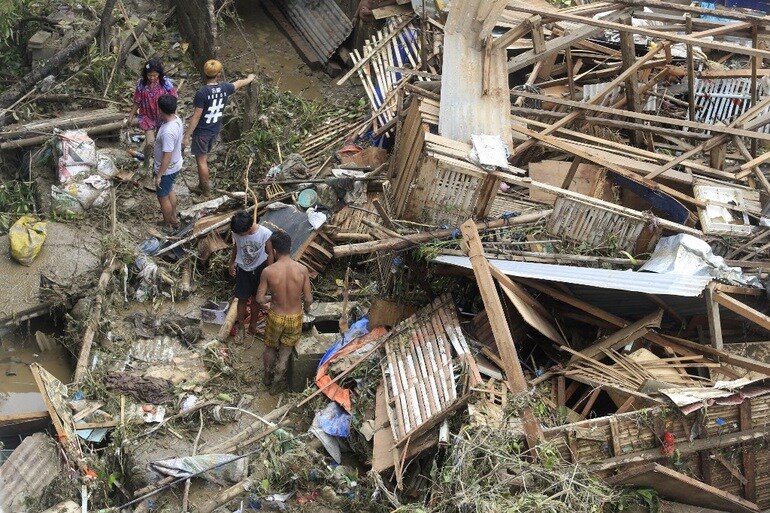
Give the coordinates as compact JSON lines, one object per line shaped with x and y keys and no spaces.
{"x":215,"y":111}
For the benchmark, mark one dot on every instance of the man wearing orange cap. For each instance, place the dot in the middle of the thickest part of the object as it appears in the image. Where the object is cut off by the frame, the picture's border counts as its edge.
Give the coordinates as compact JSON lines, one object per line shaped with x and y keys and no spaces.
{"x":206,"y":121}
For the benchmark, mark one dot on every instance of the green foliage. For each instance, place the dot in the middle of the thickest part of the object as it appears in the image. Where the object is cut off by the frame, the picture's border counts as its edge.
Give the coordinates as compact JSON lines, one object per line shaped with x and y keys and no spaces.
{"x":16,"y":199}
{"x":632,"y":498}
{"x":11,"y":11}
{"x":285,"y":120}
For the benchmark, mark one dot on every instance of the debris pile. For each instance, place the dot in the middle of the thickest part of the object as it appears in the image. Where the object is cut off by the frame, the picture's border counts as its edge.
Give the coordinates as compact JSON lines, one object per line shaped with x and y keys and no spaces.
{"x":542,"y":254}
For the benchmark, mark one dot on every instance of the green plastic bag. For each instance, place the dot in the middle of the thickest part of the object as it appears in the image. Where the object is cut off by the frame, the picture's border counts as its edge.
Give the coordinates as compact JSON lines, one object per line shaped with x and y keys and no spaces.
{"x":26,"y":238}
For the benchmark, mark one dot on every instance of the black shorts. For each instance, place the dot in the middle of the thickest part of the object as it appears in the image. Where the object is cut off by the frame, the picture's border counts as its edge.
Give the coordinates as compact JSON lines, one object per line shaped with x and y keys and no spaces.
{"x":203,"y":144}
{"x":246,"y":282}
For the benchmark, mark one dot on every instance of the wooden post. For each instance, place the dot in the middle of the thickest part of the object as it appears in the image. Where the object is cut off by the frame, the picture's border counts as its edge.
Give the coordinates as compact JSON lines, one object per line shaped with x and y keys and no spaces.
{"x":748,"y":455}
{"x":712,"y":310}
{"x":500,"y":327}
{"x":570,"y":73}
{"x":628,"y":54}
{"x":754,"y":92}
{"x":690,"y":71}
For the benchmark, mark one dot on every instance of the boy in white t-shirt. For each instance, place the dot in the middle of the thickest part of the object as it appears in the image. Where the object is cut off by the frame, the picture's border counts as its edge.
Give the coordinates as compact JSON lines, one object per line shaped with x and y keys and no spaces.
{"x":168,"y":159}
{"x":252,"y":252}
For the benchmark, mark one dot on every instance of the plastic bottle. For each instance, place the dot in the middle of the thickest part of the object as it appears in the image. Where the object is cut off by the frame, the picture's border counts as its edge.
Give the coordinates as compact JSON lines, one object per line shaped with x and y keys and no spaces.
{"x":136,"y":154}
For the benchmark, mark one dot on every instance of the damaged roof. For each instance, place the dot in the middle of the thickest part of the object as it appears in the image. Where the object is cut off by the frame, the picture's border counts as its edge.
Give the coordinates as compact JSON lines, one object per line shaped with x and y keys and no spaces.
{"x":631,"y":281}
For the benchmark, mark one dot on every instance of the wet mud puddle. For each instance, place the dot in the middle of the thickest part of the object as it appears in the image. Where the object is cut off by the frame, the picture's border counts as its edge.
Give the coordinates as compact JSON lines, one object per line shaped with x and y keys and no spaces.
{"x":18,"y":391}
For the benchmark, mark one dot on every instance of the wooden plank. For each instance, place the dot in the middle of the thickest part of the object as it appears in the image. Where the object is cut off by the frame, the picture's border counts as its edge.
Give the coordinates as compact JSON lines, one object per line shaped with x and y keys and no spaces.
{"x":624,"y":335}
{"x":389,"y":11}
{"x":742,"y":309}
{"x":558,"y":44}
{"x":574,"y":176}
{"x":664,"y":36}
{"x":530,"y":309}
{"x":376,"y":48}
{"x":502,"y":332}
{"x":674,"y":485}
{"x":712,"y":311}
{"x":61,"y":432}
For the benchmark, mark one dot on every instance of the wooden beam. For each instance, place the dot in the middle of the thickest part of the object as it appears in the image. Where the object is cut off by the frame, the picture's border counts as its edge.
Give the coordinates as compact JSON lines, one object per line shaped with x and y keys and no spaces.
{"x":628,"y":56}
{"x":595,"y":158}
{"x":665,"y":36}
{"x":516,"y":33}
{"x":671,"y":6}
{"x":758,"y":174}
{"x":712,"y":310}
{"x":684,"y":447}
{"x":742,"y":309}
{"x":717,"y":355}
{"x":624,"y":335}
{"x":500,"y":328}
{"x":488,"y":14}
{"x":683,"y":123}
{"x":538,"y":38}
{"x":558,"y":44}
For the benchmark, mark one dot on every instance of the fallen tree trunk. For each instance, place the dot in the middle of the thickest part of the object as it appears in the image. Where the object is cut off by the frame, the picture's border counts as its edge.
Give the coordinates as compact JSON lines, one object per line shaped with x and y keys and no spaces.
{"x":93,"y":320}
{"x":40,"y":139}
{"x":415,"y":239}
{"x":55,"y":63}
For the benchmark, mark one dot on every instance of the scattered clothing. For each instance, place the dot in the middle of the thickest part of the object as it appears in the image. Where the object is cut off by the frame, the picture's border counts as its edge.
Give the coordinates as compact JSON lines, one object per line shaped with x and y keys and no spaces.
{"x":144,"y":389}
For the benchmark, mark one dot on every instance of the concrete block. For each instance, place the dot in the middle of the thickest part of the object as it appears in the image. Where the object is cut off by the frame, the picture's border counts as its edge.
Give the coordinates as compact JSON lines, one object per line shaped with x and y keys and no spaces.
{"x":38,"y":39}
{"x":306,"y":356}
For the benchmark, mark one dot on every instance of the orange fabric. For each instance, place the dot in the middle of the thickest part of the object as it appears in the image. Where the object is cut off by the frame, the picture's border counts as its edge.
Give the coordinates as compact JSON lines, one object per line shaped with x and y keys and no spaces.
{"x":334,"y":391}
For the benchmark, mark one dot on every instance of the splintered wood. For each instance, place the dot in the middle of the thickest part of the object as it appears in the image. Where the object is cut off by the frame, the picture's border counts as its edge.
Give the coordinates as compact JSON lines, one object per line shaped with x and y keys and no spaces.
{"x":423,"y":371}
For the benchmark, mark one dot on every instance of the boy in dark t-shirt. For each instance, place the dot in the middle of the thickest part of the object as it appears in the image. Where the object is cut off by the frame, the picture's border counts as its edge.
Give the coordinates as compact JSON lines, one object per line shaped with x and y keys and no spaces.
{"x":206,"y":121}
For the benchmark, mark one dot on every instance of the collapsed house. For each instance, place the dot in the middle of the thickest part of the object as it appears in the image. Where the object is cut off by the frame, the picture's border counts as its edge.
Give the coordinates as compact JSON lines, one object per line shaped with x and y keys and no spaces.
{"x":591,"y":182}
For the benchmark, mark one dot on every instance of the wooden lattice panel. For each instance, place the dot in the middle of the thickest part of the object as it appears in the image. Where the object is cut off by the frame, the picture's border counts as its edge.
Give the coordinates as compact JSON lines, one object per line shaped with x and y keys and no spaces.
{"x":581,"y":222}
{"x":419,"y":371}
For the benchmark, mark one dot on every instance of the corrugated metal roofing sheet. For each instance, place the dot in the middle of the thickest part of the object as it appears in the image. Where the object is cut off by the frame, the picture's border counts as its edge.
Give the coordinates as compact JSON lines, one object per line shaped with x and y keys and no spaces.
{"x":32,"y":466}
{"x":321,"y":22}
{"x":631,"y":281}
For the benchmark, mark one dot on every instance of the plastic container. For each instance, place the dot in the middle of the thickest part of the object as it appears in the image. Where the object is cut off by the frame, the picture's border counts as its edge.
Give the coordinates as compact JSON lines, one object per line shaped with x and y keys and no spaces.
{"x":214,"y":313}
{"x":307,"y":198}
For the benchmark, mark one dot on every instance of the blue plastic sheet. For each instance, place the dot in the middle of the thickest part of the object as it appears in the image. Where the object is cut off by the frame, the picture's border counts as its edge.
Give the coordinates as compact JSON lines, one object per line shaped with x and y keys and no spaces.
{"x":334,"y":420}
{"x":356,"y":330}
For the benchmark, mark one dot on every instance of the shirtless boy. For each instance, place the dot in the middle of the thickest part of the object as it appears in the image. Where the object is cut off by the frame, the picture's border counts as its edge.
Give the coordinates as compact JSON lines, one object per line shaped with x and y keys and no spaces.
{"x":290,"y":294}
